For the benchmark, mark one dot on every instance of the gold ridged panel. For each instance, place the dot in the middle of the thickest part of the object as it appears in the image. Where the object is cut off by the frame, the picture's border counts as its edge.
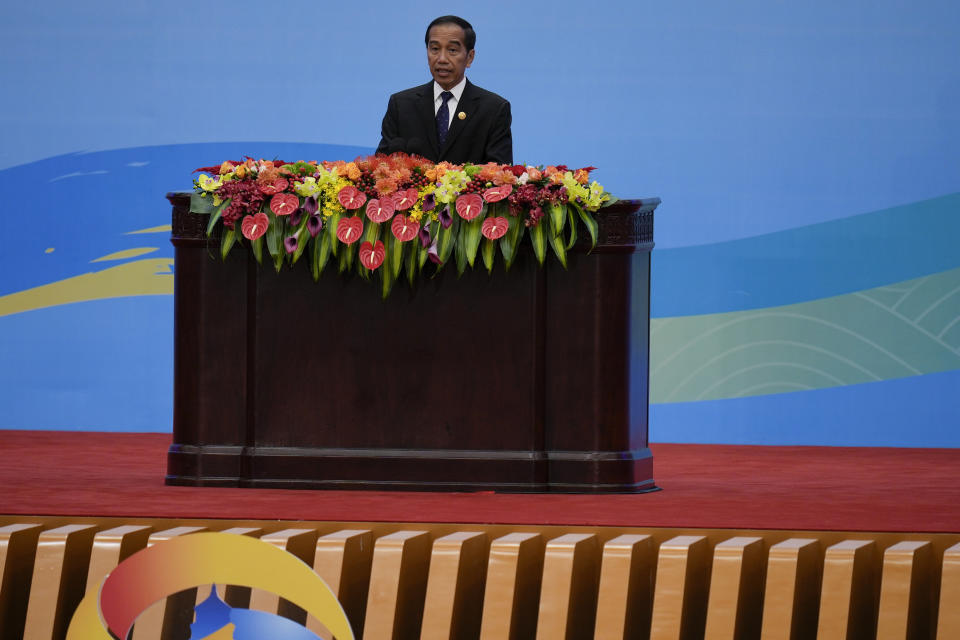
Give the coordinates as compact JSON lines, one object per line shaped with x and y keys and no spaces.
{"x":400,"y":581}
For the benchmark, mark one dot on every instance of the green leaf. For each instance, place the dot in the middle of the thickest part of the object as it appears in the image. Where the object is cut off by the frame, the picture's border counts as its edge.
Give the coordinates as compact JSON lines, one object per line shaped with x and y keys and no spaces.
{"x":556,"y":241}
{"x":303,"y":239}
{"x":330,"y":229}
{"x":201,"y":203}
{"x":470,"y":237}
{"x":371,"y":232}
{"x":321,"y":254}
{"x":538,"y":238}
{"x":590,"y":222}
{"x":274,"y":236}
{"x":558,"y":215}
{"x":386,"y":278}
{"x":511,"y":240}
{"x":573,"y":228}
{"x":346,"y":256}
{"x":422,"y":257}
{"x":257,"y":247}
{"x":447,"y":238}
{"x":460,"y":253}
{"x":395,"y":254}
{"x":487,"y":252}
{"x":410,"y":260}
{"x":226,"y":242}
{"x":214,"y":214}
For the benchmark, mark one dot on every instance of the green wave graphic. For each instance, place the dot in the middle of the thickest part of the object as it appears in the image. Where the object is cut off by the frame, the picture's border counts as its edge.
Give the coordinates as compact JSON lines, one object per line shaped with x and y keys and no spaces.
{"x":903,"y":329}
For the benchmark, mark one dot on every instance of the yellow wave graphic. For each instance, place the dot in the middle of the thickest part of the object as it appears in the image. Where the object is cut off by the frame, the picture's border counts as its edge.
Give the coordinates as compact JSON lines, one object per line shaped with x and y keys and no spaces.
{"x":148,"y":277}
{"x":164,"y":228}
{"x":126,"y":253}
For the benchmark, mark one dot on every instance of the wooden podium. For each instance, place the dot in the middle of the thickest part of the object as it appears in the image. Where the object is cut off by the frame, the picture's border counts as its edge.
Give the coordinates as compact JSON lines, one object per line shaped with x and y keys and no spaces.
{"x":533,"y":380}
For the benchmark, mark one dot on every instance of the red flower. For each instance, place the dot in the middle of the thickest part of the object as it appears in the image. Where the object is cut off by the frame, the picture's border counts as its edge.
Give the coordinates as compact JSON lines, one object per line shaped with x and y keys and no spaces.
{"x":283,"y":204}
{"x":403,"y":200}
{"x":372,"y":255}
{"x":349,"y":229}
{"x":495,"y":194}
{"x":495,"y":227}
{"x":351,"y":197}
{"x":404,"y":228}
{"x":271,"y":188}
{"x":518,"y":170}
{"x":253,"y":227}
{"x":469,"y":206}
{"x":380,"y":210}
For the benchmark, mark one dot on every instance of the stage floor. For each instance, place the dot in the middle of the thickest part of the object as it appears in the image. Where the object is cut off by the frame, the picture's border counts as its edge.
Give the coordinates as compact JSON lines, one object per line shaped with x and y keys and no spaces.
{"x":704,"y":486}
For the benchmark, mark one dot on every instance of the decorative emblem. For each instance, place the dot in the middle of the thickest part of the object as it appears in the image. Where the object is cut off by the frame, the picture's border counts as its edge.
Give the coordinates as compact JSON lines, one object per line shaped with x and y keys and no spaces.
{"x":462,"y":115}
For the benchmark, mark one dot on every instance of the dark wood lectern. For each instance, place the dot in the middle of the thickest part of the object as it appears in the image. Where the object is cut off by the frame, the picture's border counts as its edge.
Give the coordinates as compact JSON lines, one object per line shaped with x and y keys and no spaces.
{"x":531,"y":380}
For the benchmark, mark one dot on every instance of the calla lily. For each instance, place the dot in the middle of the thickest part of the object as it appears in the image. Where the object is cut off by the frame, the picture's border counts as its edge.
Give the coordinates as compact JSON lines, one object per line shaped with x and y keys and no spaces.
{"x":310,"y":205}
{"x":290,"y":244}
{"x":314,"y":224}
{"x":424,"y":235}
{"x":429,"y":202}
{"x":446,"y":217}
{"x":296,"y":217}
{"x":433,"y":254}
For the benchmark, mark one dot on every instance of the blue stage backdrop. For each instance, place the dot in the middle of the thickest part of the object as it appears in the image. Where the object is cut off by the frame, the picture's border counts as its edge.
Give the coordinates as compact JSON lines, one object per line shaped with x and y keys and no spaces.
{"x":806,"y":285}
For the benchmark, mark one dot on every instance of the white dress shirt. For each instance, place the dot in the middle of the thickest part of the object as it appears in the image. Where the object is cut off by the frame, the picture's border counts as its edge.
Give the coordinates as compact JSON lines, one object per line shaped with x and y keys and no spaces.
{"x":457,"y":91}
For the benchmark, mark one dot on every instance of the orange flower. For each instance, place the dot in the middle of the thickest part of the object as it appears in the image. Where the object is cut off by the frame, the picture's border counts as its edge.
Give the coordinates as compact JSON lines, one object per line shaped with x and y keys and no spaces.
{"x":348,"y":170}
{"x":226,"y":167}
{"x":505,"y":177}
{"x":268,"y":174}
{"x":242,"y":171}
{"x":385,"y":186}
{"x":556,"y":177}
{"x":534,"y":174}
{"x":582,"y":176}
{"x":489,"y":171}
{"x":403,"y":174}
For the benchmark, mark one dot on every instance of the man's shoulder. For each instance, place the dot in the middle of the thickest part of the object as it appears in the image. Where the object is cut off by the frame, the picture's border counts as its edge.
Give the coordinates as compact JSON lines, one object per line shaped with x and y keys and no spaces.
{"x":414,"y":92}
{"x":485,"y":95}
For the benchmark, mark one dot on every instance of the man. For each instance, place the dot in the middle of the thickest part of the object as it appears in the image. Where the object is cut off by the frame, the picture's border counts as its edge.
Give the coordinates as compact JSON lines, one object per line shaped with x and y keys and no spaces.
{"x":449,"y":119}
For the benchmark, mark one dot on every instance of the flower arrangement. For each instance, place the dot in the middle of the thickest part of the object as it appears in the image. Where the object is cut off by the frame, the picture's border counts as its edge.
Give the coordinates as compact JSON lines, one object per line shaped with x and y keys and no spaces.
{"x":393,"y":214}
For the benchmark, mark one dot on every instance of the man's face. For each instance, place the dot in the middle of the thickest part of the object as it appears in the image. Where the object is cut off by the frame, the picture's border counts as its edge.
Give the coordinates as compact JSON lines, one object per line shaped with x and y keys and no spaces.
{"x":447,"y":55}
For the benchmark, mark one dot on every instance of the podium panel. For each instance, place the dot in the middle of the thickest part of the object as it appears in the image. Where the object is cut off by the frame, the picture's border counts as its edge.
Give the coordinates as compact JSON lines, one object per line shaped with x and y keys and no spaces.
{"x":534,"y":379}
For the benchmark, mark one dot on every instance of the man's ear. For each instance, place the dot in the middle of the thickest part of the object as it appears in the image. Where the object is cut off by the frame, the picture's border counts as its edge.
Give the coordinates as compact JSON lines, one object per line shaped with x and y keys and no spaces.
{"x":470,"y":57}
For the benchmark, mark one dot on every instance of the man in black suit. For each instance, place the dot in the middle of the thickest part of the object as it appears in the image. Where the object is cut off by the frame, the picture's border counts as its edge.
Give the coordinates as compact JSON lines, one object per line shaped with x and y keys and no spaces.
{"x":449,"y":119}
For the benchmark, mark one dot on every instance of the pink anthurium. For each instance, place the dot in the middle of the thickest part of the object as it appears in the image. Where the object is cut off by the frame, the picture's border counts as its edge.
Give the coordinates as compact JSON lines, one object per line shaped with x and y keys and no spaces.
{"x":351,"y":197}
{"x":252,"y":227}
{"x":380,"y":210}
{"x":404,"y":199}
{"x":469,"y":206}
{"x":283,"y":204}
{"x":372,"y":255}
{"x":404,"y":228}
{"x":495,"y":227}
{"x":496,"y":194}
{"x":349,"y":229}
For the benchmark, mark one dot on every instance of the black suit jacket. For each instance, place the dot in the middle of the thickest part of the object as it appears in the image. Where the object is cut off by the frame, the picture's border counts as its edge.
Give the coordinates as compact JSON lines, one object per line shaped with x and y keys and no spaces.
{"x":483,"y":135}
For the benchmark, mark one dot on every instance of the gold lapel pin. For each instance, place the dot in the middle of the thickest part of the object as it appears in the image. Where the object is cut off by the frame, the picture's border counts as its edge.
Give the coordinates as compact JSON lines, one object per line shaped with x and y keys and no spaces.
{"x":462,"y":115}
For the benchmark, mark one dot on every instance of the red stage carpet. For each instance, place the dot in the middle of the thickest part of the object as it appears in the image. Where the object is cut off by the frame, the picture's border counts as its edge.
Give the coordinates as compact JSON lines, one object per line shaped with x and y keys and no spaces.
{"x":704,"y":486}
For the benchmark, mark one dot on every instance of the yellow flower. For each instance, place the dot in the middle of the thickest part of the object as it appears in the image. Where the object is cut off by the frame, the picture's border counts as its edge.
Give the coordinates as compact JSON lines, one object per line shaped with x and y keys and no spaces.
{"x":207,"y":183}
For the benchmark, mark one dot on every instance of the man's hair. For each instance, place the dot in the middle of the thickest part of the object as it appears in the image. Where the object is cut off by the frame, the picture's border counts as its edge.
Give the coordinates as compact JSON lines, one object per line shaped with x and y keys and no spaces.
{"x":469,"y":35}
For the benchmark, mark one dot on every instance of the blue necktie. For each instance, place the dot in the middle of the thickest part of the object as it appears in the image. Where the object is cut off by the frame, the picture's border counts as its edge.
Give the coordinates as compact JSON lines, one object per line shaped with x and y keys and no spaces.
{"x":443,"y":118}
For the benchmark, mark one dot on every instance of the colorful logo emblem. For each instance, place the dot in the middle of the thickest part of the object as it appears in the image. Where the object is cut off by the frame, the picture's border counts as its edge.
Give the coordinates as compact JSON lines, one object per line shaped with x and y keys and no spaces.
{"x":209,"y":558}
